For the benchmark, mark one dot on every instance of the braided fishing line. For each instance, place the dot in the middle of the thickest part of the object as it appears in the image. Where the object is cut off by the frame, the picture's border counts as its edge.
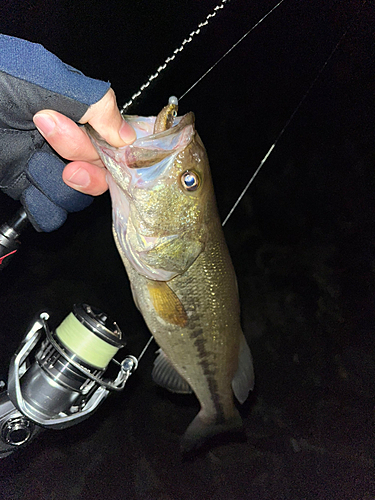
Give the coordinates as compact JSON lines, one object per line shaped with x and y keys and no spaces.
{"x":289,"y":120}
{"x":171,"y":58}
{"x":287,"y":123}
{"x":179,"y":49}
{"x":233,"y":47}
{"x":157,"y":73}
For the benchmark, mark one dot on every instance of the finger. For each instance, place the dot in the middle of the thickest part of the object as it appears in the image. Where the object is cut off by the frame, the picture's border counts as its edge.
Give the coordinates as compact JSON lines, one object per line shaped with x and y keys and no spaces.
{"x":85,"y":177}
{"x":66,"y":137}
{"x":105,"y":117}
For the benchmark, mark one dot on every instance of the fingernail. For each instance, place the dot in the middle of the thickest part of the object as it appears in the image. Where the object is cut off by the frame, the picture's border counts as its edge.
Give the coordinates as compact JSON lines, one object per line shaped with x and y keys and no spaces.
{"x":80,"y":178}
{"x":45,"y":124}
{"x":127,"y":133}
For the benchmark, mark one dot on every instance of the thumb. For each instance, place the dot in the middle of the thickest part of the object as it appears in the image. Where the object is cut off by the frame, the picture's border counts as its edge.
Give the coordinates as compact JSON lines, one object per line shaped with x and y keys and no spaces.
{"x":104,"y":116}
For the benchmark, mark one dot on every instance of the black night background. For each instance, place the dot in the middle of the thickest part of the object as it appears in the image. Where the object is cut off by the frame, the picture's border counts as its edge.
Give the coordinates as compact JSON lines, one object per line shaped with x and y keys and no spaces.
{"x":301,"y":240}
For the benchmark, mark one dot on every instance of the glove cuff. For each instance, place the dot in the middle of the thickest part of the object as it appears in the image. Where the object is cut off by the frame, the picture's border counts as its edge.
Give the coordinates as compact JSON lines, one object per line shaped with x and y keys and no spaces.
{"x":33,"y":63}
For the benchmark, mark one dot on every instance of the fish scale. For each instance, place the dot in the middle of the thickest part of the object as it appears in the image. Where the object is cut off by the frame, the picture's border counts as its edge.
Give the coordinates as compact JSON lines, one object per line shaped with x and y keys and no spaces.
{"x":172,"y":244}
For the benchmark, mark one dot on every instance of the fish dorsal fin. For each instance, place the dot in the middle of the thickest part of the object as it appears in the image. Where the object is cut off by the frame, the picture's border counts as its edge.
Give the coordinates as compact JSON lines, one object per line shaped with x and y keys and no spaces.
{"x":166,"y":303}
{"x":165,"y":375}
{"x":243,"y":380}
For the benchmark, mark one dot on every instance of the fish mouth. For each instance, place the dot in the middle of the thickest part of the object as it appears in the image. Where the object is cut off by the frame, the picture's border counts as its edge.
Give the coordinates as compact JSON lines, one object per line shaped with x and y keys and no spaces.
{"x":149,"y":148}
{"x":144,"y":126}
{"x":149,"y":156}
{"x":139,"y":166}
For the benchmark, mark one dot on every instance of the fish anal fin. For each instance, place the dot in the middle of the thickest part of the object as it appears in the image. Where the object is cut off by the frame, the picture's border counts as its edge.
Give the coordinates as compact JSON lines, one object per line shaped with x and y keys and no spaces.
{"x":165,"y":375}
{"x":166,"y":303}
{"x":243,"y":380}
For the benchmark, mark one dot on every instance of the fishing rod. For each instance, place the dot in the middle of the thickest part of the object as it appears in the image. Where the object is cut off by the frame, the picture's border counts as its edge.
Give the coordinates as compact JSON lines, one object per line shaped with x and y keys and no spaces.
{"x":178,"y":50}
{"x":57,"y":379}
{"x":10,"y":231}
{"x":9,"y":237}
{"x":288,"y":121}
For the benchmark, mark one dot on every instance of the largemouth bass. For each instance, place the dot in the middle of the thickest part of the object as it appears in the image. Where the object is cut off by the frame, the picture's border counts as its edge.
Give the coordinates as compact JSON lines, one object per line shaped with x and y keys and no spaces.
{"x":168,"y":233}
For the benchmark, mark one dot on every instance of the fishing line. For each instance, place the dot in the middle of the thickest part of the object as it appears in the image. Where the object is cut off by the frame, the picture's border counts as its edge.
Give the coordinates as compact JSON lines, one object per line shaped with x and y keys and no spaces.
{"x":233,"y":47}
{"x":169,"y":59}
{"x":114,"y":360}
{"x":266,"y":156}
{"x":287,"y":123}
{"x":186,"y":41}
{"x":161,"y":68}
{"x":145,"y":348}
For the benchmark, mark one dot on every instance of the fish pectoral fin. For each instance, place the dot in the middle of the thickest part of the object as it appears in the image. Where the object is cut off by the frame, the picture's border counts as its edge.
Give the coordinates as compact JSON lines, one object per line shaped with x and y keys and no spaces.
{"x":165,"y":375}
{"x":166,"y":303}
{"x":243,"y":380}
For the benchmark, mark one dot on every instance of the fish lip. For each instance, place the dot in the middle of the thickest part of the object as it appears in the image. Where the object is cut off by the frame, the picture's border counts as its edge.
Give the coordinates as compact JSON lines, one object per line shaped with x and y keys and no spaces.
{"x":146,"y":150}
{"x":185,"y":120}
{"x":152,"y":141}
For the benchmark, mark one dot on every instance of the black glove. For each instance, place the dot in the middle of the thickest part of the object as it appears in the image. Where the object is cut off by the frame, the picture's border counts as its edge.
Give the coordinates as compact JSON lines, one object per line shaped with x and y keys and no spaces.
{"x":32,"y":79}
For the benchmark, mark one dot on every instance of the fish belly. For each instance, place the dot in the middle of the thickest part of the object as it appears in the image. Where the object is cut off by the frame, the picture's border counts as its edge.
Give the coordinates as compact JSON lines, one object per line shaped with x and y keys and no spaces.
{"x":205,"y":351}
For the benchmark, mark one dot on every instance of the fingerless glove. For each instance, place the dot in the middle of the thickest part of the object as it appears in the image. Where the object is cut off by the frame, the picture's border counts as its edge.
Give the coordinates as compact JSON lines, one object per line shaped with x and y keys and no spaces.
{"x":33,"y":79}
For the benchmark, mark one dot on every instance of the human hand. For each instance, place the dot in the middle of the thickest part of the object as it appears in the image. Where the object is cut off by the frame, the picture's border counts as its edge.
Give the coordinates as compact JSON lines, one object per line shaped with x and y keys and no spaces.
{"x":86,"y":171}
{"x":34,"y":80}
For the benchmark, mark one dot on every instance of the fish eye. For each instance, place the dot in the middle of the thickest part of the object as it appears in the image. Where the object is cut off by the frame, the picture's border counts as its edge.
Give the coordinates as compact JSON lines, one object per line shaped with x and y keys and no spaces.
{"x":190,"y":181}
{"x":174,"y":113}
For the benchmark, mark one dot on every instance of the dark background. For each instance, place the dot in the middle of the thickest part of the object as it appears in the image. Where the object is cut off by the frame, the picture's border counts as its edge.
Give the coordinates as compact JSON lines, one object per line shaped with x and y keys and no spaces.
{"x":302,"y":242}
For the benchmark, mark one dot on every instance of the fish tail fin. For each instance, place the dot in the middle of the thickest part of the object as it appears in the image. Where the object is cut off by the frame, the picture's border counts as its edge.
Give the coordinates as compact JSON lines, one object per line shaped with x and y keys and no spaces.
{"x":200,"y":430}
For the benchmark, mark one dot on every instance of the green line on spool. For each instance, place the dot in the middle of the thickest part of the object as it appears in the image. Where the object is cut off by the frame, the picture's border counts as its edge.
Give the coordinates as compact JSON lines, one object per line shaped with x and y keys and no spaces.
{"x":85,"y":344}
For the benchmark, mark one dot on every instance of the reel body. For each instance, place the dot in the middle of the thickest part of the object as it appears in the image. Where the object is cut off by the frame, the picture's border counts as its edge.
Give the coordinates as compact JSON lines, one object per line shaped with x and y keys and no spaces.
{"x":57,"y":379}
